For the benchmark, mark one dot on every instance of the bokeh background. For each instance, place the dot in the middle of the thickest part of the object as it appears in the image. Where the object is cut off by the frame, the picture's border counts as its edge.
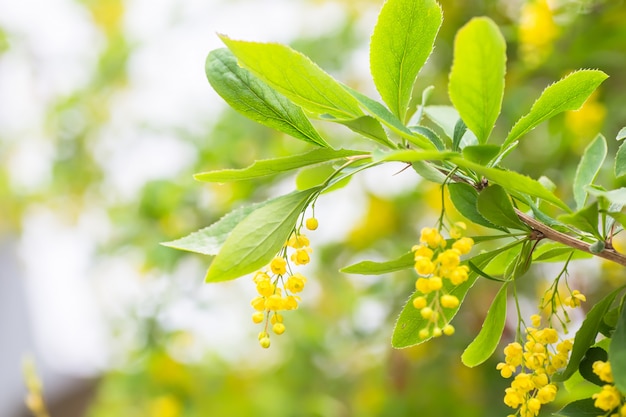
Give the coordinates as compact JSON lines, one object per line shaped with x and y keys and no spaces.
{"x":105,"y":114}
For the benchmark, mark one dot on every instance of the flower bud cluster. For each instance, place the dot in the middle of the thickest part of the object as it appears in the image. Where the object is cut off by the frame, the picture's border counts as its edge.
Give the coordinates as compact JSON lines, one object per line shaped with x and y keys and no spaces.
{"x":439,"y":271}
{"x":533,"y":365}
{"x":609,"y":398}
{"x":277,"y":285}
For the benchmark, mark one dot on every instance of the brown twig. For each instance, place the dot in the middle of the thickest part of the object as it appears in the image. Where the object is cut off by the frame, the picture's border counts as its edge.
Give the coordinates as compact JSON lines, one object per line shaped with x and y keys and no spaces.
{"x":556,"y":236}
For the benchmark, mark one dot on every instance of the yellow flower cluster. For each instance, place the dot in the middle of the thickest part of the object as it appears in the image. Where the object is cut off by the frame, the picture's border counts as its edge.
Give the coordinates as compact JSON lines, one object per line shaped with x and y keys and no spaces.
{"x":537,"y":32}
{"x":609,"y":399}
{"x":541,"y":356}
{"x":434,"y":264}
{"x":277,"y":285}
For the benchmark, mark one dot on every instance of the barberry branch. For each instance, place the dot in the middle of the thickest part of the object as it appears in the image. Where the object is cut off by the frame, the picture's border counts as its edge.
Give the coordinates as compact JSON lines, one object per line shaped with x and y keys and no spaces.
{"x":556,"y":236}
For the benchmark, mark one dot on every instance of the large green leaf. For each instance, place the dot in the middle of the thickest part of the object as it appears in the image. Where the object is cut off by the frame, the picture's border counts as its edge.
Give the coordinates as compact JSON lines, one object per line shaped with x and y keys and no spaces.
{"x":617,"y":352}
{"x":483,"y":346}
{"x":586,"y":335}
{"x":476,"y":83}
{"x":402,"y":41}
{"x":377,"y":268}
{"x":295,"y":76}
{"x":494,"y":205}
{"x":209,"y":241}
{"x":257,"y":239}
{"x":588,"y":168}
{"x":256,"y":100}
{"x":569,"y":93}
{"x":275,"y":166}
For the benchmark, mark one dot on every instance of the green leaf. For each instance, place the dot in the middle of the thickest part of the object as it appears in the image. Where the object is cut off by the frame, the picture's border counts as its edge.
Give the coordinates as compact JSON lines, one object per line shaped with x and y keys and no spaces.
{"x":209,"y":241}
{"x":585,"y":220}
{"x":483,"y":346}
{"x":621,"y":134}
{"x":580,"y":408}
{"x":430,"y":135}
{"x":402,"y":41}
{"x":620,"y":160}
{"x":256,"y":100}
{"x":569,"y":93}
{"x":459,"y":130}
{"x":410,"y":321}
{"x":465,"y":199}
{"x":317,"y":175}
{"x":494,"y":205}
{"x":429,"y":172}
{"x":617,"y":196}
{"x":296,"y":77}
{"x":513,"y":182}
{"x":411,"y":155}
{"x":586,"y":335}
{"x":557,"y":252}
{"x":481,"y":154}
{"x":275,"y":166}
{"x":368,"y":127}
{"x":617,"y":352}
{"x":588,"y":168}
{"x":586,"y":365}
{"x":446,"y":117}
{"x":377,"y":268}
{"x":476,"y":83}
{"x":257,"y":239}
{"x":384,"y":116}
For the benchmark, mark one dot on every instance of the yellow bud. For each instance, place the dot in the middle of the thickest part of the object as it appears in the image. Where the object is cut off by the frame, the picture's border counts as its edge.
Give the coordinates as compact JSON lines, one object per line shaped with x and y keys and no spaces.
{"x":448,"y":330}
{"x":276,"y":318}
{"x":449,"y":301}
{"x":435,"y":283}
{"x":426,"y":312}
{"x":278,"y":265}
{"x":278,"y":328}
{"x":258,"y":317}
{"x":437,"y":332}
{"x":263,"y":334}
{"x":264,"y":342}
{"x":424,"y":333}
{"x":419,"y":302}
{"x":311,"y":223}
{"x":258,"y":303}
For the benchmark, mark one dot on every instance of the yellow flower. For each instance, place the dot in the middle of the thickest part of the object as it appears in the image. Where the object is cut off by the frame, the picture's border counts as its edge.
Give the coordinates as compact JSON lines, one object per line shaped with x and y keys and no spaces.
{"x":547,"y":393}
{"x":607,"y":399}
{"x":278,"y":328}
{"x":298,"y":241}
{"x":603,"y":370}
{"x":459,"y":275}
{"x":422,"y":251}
{"x":506,"y":370}
{"x":258,"y":317}
{"x":419,"y":302}
{"x":423,"y":285}
{"x":275,"y":302}
{"x":424,"y":266}
{"x":448,"y":329}
{"x":432,"y":237}
{"x":513,"y":398}
{"x":265,"y":288}
{"x":295,"y":283}
{"x":537,"y":32}
{"x":258,"y":303}
{"x":435,"y":283}
{"x":575,"y":299}
{"x":301,"y":256}
{"x":448,"y":261}
{"x":278,"y":265}
{"x":291,"y":302}
{"x":463,"y":245}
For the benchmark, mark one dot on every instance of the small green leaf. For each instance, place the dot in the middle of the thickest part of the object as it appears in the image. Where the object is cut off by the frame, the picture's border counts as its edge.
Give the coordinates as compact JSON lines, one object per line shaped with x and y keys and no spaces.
{"x":257,"y":239}
{"x":313,"y":176}
{"x":569,"y":93}
{"x":429,"y":172}
{"x":430,"y":135}
{"x":377,"y":268}
{"x":384,"y":116}
{"x":585,"y":220}
{"x":617,"y":352}
{"x":620,"y":160}
{"x":586,"y":365}
{"x":621,"y":134}
{"x":580,"y":408}
{"x":476,"y":83}
{"x":465,"y":199}
{"x":402,"y":41}
{"x":586,"y":335}
{"x":557,"y":252}
{"x":459,"y":130}
{"x":256,"y":100}
{"x":275,"y":166}
{"x":617,"y":196}
{"x":495,"y":206}
{"x":481,"y":154}
{"x":296,"y":77}
{"x":588,"y":168}
{"x":411,"y":155}
{"x":483,"y":346}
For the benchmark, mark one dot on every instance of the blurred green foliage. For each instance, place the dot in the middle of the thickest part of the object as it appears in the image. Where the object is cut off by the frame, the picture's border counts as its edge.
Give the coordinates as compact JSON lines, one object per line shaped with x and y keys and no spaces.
{"x":329,"y":363}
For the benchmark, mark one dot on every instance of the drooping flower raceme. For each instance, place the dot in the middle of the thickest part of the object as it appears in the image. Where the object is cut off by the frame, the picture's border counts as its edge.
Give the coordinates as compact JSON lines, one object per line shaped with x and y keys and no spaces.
{"x":435,"y":266}
{"x":277,"y":285}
